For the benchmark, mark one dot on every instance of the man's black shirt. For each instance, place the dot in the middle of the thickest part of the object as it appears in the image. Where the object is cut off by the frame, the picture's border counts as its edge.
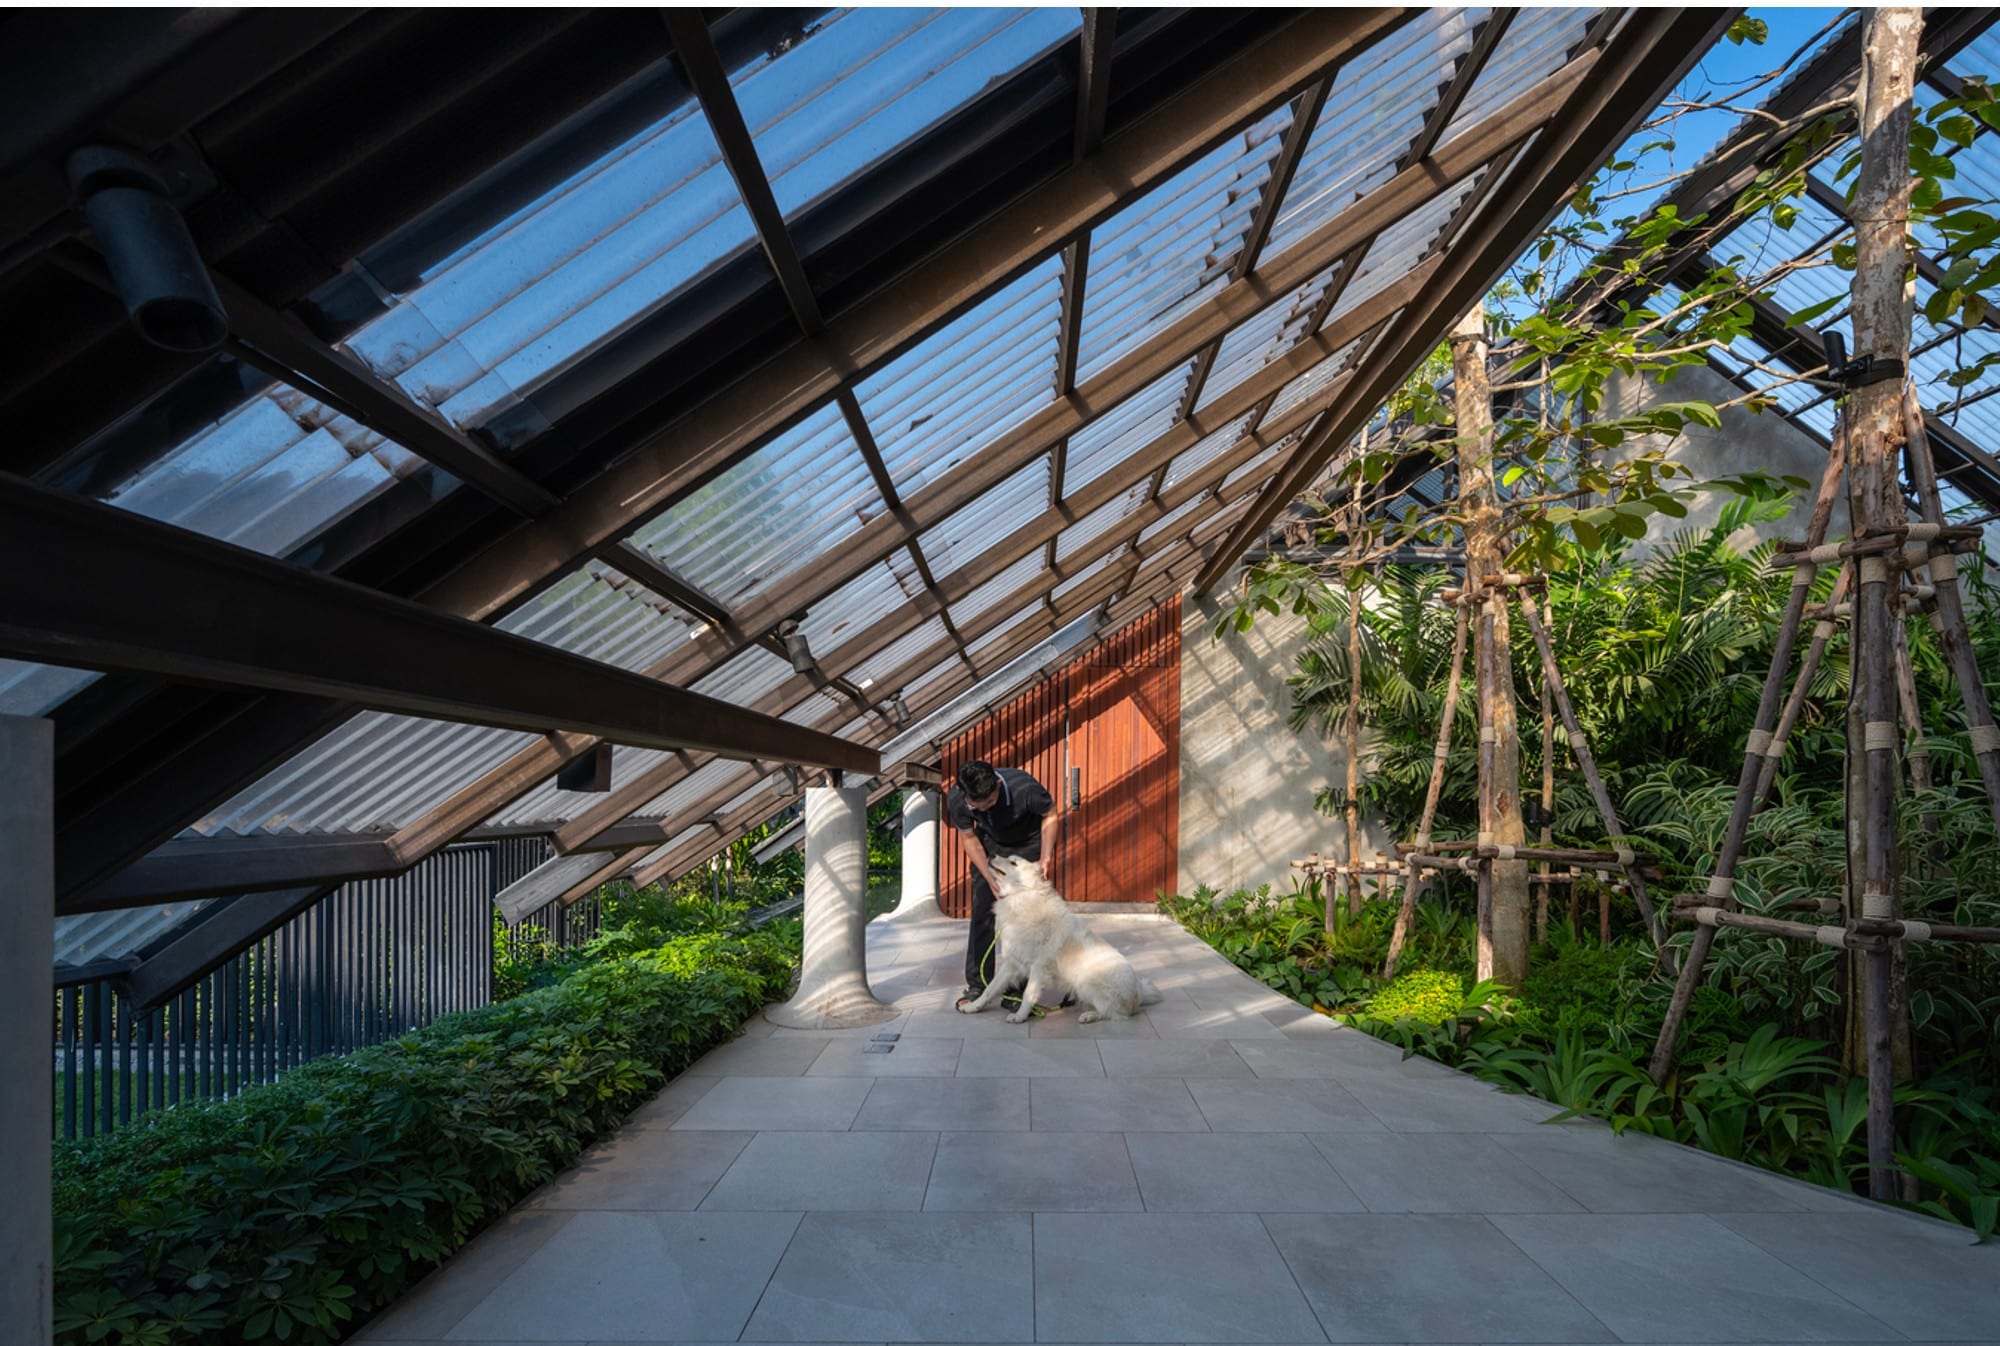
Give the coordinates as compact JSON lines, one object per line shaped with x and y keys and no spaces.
{"x":1015,"y":820}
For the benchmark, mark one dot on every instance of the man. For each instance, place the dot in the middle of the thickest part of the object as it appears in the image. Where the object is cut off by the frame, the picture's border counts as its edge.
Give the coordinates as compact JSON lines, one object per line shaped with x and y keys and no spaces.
{"x":996,"y":811}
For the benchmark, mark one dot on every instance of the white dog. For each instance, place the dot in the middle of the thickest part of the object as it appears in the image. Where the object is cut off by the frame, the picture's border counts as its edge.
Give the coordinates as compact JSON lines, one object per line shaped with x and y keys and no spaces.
{"x":1042,"y":940}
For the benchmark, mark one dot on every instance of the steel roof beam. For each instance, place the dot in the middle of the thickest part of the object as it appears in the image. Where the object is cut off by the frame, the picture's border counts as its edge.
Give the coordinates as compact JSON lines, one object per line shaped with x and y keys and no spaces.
{"x":1463,"y":78}
{"x":1640,"y":61}
{"x":147,"y":597}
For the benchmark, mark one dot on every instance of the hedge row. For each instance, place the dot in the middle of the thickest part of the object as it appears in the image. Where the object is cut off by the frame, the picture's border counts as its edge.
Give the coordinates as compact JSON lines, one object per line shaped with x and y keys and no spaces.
{"x":297,"y":1209}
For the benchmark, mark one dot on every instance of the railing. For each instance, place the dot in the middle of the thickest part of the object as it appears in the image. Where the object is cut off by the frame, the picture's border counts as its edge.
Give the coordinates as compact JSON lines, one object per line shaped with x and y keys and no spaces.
{"x":370,"y":961}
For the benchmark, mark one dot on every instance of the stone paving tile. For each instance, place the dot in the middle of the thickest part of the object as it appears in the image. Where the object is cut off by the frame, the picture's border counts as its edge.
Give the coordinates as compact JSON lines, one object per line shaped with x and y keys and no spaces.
{"x":1123,"y":1104}
{"x":645,"y":1168}
{"x":475,"y":1271}
{"x":637,"y":1277}
{"x":1924,"y":1277}
{"x":930,"y":1276}
{"x":1181,"y":1059}
{"x":762,"y":1104}
{"x":1636,"y":1173}
{"x":761,"y":1056}
{"x":946,"y":1022}
{"x":1334,"y":1055}
{"x":1035,"y":1056}
{"x":671,"y":1103}
{"x":1439,"y":1171}
{"x":906,"y":1056}
{"x":1426,"y":1278}
{"x":1197,"y":1021}
{"x":1032,"y":1170}
{"x":1063,"y":1024}
{"x":1684,"y":1278}
{"x":1164,"y":1278}
{"x":864,"y":1032}
{"x":1246,"y":1172}
{"x":925,"y":1104}
{"x":1281,"y":1105}
{"x":827,"y":1170}
{"x":1456,"y":1104}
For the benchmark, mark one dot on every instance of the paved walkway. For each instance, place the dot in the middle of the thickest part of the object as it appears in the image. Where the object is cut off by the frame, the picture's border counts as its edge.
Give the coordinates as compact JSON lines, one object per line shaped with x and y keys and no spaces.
{"x":1229,"y":1168}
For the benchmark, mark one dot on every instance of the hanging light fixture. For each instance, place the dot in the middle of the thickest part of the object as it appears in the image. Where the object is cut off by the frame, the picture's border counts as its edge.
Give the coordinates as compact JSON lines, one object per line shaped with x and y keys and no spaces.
{"x":898,"y":713}
{"x":796,"y":648}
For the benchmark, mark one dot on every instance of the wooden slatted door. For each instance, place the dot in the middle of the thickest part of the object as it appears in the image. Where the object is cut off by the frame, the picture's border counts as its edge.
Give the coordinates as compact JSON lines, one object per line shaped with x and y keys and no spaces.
{"x":1103,"y":734}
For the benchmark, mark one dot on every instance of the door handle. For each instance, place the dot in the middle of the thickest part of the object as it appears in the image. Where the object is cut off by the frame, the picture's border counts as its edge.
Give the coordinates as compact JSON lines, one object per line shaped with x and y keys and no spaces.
{"x":1075,"y":786}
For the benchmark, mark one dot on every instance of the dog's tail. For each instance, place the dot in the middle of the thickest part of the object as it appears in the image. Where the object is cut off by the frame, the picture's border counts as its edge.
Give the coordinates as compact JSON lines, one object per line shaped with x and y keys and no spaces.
{"x":1149,"y":994}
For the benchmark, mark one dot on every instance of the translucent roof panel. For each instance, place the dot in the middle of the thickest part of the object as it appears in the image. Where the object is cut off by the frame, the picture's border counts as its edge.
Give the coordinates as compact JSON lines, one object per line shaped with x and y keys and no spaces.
{"x":1082,"y":577}
{"x":1314,"y":383}
{"x":862,"y":83}
{"x":1536,"y":45}
{"x":1261,"y":465}
{"x":817,"y":709}
{"x":750,"y":674}
{"x":1167,"y":524}
{"x":852,"y":608}
{"x":969,"y":383}
{"x":1204,"y":451}
{"x":772,"y":514}
{"x":967,"y":533}
{"x":981,"y":600}
{"x":988,"y":650}
{"x":1371,"y":118}
{"x":37,"y":689}
{"x":267,"y":475}
{"x":870,"y":674}
{"x":375,"y":773}
{"x":1080,"y":536}
{"x":684,"y":793}
{"x":600,"y":614}
{"x":547,"y":804}
{"x":1264,"y":338}
{"x":1398,"y":249}
{"x":1153,"y":260}
{"x":1127,"y":428}
{"x":539,"y":288}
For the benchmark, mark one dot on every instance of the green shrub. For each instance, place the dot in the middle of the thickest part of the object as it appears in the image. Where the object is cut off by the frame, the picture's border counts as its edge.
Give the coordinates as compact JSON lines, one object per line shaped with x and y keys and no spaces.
{"x":1424,"y":997}
{"x":295,"y":1209}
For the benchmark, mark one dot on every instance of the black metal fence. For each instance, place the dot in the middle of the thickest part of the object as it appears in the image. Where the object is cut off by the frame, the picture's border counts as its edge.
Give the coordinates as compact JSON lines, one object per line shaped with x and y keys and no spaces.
{"x":370,"y":961}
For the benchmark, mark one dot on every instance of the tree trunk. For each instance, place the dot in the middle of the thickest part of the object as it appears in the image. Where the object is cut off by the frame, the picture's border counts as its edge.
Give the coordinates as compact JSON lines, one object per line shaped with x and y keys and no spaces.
{"x":1504,"y":928}
{"x":1357,"y":520}
{"x":1881,"y":332}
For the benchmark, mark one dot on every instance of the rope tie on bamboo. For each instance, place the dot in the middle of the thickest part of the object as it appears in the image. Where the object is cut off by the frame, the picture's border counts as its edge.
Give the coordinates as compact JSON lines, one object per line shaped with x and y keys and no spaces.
{"x":1916,"y":929}
{"x":1503,"y":851}
{"x":1944,"y":568}
{"x":1833,"y":936}
{"x":1802,"y":576}
{"x":1824,"y":554}
{"x":1626,"y":856}
{"x":1877,"y":907}
{"x":1488,"y":734}
{"x":1879,"y":736}
{"x":1823,"y":629}
{"x":1923,"y":532}
{"x":1468,"y":865}
{"x":1758,"y":744}
{"x":1706,"y":916}
{"x":1985,"y":738}
{"x":1874,"y":570}
{"x":1720,"y":886}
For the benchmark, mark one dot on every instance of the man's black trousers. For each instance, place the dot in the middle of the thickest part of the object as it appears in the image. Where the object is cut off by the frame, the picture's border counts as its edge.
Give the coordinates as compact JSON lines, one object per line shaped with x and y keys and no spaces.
{"x":982,"y":951}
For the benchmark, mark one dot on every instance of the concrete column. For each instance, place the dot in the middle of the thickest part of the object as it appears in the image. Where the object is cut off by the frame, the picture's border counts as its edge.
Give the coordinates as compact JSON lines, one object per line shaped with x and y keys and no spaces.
{"x":833,"y":980}
{"x":27,"y":997}
{"x":920,"y":858}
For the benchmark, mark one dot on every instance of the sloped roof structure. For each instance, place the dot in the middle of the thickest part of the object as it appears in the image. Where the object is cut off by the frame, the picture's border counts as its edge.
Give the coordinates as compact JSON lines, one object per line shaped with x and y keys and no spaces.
{"x":754,"y":391}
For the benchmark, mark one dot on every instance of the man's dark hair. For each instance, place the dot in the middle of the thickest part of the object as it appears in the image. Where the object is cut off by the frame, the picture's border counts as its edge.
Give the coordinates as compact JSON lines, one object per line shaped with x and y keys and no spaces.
{"x":977,"y":779}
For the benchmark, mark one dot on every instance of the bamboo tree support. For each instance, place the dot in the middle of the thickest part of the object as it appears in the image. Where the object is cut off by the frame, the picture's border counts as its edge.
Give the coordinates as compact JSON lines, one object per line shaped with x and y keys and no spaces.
{"x":1547,"y":834}
{"x":1413,"y":882}
{"x":1579,"y":746}
{"x":1823,"y":630}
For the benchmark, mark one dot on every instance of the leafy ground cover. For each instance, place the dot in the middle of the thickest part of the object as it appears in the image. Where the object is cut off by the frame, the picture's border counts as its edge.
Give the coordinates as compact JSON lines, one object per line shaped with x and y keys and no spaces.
{"x":294,"y":1210}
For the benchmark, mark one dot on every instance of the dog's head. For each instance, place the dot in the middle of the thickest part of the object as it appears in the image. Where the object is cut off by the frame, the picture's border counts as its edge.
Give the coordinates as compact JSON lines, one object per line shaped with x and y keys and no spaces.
{"x":1014,"y":874}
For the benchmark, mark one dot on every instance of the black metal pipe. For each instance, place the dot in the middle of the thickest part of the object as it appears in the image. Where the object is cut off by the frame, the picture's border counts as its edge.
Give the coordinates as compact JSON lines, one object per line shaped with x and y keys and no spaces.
{"x":145,"y":242}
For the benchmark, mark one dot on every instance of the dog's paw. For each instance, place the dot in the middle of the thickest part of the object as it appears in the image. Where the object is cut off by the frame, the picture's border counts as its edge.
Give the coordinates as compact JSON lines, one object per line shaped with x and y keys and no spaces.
{"x":968,"y":1007}
{"x":1019,"y":1018}
{"x":1088,"y":1017}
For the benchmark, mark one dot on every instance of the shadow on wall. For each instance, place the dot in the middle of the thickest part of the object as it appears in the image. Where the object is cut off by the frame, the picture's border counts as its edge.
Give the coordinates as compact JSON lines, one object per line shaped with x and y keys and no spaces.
{"x":1247,"y":780}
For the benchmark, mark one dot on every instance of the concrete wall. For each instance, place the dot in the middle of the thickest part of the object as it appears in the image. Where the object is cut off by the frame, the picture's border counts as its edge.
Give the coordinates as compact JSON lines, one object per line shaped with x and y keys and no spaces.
{"x":1248,"y":781}
{"x":1745,"y":442}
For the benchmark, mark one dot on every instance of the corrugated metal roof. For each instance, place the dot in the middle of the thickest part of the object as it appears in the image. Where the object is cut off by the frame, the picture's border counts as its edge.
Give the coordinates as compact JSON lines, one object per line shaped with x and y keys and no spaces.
{"x":1079,"y":536}
{"x":1275,"y":330}
{"x":548,"y":804}
{"x":1538,"y":43}
{"x":748,"y":676}
{"x":599,"y":613}
{"x":1168,"y":522}
{"x":793,"y":500}
{"x":1152,"y":261}
{"x":872,"y":670}
{"x":1315,"y":381}
{"x":1204,"y":451}
{"x":682,"y":794}
{"x":980,"y":601}
{"x":850,"y":609}
{"x":966,"y":533}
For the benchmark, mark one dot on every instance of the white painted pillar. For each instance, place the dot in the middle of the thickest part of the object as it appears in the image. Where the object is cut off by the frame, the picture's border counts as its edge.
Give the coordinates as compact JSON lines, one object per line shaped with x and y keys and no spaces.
{"x":920,"y":858}
{"x":27,"y":998}
{"x":833,"y":979}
